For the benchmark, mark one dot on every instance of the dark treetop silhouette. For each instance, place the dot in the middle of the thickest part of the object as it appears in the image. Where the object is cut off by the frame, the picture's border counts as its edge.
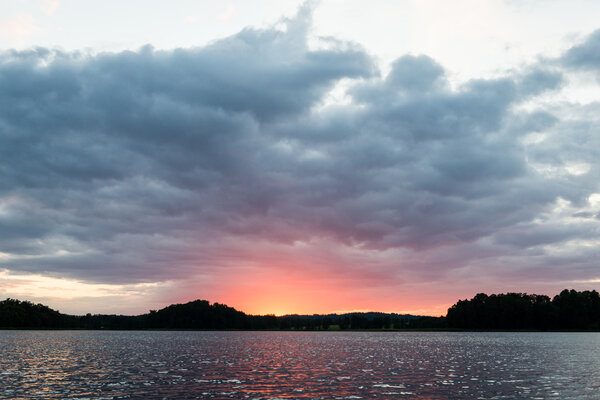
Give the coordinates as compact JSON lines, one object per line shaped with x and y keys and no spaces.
{"x":569,"y":310}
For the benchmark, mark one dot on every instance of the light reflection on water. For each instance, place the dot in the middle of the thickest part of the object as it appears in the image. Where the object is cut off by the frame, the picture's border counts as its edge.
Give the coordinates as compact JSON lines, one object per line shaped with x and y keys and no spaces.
{"x":298,"y":365}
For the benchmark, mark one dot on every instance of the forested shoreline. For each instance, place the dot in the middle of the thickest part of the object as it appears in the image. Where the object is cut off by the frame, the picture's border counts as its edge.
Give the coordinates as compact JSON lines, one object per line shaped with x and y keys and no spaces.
{"x":569,"y":310}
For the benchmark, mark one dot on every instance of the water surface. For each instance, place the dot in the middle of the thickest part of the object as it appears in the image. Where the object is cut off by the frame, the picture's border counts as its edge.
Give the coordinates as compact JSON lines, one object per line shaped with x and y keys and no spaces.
{"x":298,"y":365}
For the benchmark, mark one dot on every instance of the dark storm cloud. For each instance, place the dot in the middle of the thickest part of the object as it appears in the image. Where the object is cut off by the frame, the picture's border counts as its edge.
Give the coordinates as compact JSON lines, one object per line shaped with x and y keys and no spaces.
{"x":133,"y":166}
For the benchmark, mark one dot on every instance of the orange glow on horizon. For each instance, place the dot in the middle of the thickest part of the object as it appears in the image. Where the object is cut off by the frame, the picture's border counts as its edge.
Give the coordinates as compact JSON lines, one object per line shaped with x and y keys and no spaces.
{"x":279,"y":293}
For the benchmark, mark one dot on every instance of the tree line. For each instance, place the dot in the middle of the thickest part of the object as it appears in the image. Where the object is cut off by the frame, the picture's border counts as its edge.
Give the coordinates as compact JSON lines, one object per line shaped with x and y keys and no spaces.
{"x":201,"y":315}
{"x":568,"y":310}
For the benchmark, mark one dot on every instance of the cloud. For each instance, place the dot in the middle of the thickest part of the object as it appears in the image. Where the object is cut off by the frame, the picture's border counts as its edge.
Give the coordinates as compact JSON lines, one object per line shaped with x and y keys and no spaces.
{"x":149,"y":165}
{"x":585,"y":55}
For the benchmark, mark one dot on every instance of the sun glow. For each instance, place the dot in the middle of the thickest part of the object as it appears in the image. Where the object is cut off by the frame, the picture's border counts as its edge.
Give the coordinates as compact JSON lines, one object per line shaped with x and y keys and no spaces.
{"x":322,"y":293}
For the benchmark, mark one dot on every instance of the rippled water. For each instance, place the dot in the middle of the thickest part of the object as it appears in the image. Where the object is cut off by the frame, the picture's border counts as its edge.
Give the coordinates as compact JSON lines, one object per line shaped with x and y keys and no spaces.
{"x":298,"y":365}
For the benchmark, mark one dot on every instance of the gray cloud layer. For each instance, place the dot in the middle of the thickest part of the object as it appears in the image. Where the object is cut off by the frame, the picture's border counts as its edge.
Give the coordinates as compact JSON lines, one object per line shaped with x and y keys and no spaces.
{"x":139,"y":166}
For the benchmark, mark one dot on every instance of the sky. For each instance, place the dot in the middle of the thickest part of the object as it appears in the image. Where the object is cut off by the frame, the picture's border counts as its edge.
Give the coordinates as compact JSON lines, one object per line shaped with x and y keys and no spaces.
{"x":297,"y":157}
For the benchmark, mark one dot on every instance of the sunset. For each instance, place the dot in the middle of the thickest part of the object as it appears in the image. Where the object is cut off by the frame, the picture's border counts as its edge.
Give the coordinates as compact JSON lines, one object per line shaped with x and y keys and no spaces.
{"x":297,"y":161}
{"x":301,"y":165}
